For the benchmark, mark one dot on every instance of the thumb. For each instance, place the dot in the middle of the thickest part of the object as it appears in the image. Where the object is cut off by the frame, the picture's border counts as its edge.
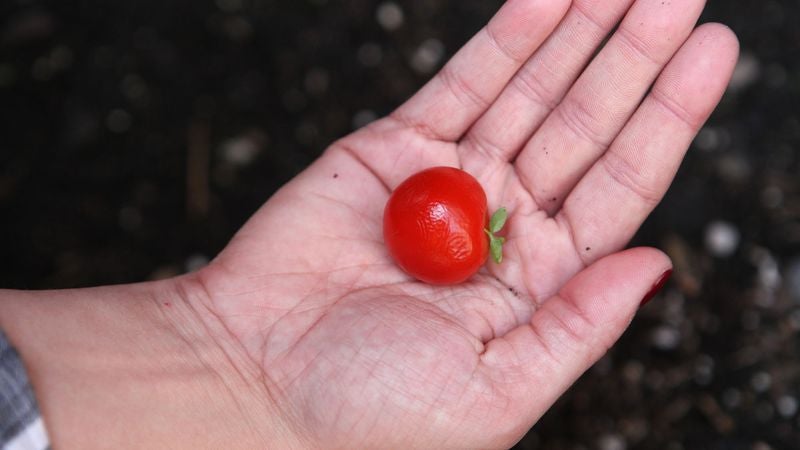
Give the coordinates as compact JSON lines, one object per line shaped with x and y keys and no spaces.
{"x":538,"y":361}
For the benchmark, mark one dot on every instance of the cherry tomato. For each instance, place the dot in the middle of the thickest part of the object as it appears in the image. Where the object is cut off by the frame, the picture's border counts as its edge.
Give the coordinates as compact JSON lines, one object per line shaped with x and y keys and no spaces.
{"x":435,"y":226}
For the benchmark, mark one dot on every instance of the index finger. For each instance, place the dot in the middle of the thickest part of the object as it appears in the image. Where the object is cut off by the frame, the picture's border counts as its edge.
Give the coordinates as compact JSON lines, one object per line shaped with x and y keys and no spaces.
{"x":456,"y":96}
{"x":621,"y":189}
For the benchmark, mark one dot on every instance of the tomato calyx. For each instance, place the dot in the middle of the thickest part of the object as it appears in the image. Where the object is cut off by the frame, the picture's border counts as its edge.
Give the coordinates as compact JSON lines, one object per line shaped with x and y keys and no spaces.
{"x":496,"y":223}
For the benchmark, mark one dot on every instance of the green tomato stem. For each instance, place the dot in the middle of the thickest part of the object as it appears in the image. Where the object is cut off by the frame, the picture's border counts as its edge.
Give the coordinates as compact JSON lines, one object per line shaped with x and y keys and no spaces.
{"x":496,"y":223}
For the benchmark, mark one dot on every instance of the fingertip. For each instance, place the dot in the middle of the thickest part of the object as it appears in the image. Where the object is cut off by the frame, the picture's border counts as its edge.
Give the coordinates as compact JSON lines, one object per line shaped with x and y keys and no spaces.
{"x":617,"y":282}
{"x":719,"y":31}
{"x":718,"y":36}
{"x":659,"y":269}
{"x":698,"y":75}
{"x":573,"y":329}
{"x":651,"y":256}
{"x":512,"y":25}
{"x":657,"y":286}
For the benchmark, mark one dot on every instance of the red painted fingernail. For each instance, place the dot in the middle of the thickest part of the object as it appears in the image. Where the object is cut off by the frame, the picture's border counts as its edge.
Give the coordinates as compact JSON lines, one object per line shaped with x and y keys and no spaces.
{"x":662,"y":280}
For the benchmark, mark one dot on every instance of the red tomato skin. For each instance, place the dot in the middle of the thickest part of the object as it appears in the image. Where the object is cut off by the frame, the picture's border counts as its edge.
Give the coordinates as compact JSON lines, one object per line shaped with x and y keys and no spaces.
{"x":433,"y":225}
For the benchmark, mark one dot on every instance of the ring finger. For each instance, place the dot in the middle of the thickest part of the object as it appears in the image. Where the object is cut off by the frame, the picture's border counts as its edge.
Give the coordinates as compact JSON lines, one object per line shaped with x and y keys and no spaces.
{"x":583,"y":125}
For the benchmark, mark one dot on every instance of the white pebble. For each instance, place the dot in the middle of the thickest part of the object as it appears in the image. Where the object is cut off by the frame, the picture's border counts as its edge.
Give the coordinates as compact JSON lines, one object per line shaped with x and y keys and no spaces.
{"x":390,"y":16}
{"x":794,"y":320}
{"x":734,"y":168}
{"x":731,"y":398}
{"x":707,"y":139}
{"x":665,"y":338}
{"x":787,"y":406}
{"x":772,"y":197}
{"x":761,"y":381}
{"x":747,"y":72}
{"x":241,"y":150}
{"x":769,"y":275}
{"x":633,"y":371}
{"x":611,"y":442}
{"x":792,"y":277}
{"x":722,"y":238}
{"x":119,"y":121}
{"x":238,"y":29}
{"x":370,"y":54}
{"x":61,"y":58}
{"x":427,"y":56}
{"x":704,"y":370}
{"x":363,"y":118}
{"x":195,"y":262}
{"x":133,"y":87}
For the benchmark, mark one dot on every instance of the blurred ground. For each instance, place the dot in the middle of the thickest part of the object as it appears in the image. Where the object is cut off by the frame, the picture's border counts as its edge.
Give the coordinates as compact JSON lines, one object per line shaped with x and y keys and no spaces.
{"x":138,"y":136}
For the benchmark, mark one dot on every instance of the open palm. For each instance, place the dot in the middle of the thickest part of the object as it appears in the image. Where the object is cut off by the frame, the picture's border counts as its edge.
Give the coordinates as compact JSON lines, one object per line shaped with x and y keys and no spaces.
{"x":357,"y":354}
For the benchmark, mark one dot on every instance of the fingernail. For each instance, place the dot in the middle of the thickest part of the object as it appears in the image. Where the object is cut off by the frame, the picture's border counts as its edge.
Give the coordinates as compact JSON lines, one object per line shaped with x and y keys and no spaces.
{"x":662,"y":280}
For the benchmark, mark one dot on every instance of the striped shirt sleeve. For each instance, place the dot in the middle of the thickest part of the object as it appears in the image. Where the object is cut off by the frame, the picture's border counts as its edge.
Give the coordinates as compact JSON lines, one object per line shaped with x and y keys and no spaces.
{"x":21,"y":426}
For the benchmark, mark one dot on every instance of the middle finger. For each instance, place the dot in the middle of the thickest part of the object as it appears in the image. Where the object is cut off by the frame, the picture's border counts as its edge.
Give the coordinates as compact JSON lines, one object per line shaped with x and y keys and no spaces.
{"x":602,"y":100}
{"x":541,"y":83}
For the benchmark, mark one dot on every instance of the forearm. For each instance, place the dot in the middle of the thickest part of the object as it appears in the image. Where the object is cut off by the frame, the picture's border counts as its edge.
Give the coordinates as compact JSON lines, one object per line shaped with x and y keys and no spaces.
{"x":136,"y":366}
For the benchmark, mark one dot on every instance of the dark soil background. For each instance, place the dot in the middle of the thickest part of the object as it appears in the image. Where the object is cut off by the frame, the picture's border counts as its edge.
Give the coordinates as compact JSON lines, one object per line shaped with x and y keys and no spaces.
{"x":138,"y":136}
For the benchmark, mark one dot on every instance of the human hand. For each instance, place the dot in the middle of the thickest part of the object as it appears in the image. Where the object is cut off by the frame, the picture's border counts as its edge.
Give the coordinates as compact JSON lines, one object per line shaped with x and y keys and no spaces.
{"x":354,"y":353}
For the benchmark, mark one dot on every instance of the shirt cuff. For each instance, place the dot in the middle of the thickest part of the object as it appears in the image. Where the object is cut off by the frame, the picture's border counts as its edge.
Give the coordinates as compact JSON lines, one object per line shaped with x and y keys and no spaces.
{"x":21,"y":425}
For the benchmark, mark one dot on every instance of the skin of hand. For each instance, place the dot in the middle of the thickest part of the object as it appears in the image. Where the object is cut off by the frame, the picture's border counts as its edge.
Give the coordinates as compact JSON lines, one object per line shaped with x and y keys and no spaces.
{"x":303,"y":333}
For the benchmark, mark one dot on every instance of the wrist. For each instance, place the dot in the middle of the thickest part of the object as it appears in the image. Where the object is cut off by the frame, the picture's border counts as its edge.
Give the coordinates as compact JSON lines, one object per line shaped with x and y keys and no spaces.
{"x":138,"y":365}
